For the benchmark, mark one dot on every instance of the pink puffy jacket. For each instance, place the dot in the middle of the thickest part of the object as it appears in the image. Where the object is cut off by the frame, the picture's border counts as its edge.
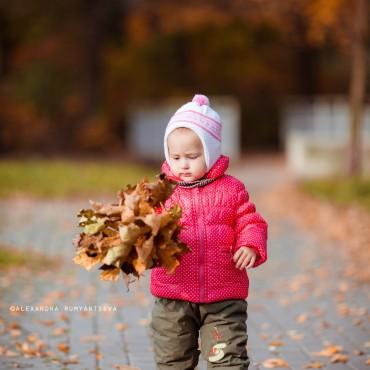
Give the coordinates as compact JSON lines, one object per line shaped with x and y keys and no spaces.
{"x":218,"y":219}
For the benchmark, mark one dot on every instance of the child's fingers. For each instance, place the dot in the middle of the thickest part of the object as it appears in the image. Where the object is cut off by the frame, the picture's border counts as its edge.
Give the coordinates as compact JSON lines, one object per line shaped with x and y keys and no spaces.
{"x":251,"y":263}
{"x":245,"y":262}
{"x":241,"y":260}
{"x":237,"y":254}
{"x":238,"y":260}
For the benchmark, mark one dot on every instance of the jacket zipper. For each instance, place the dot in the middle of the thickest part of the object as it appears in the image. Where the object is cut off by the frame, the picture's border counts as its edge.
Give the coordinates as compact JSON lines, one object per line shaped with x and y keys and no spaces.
{"x":201,"y":247}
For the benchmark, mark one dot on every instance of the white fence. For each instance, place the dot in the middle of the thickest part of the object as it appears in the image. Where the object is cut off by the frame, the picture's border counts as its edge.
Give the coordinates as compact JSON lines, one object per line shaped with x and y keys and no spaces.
{"x":316,"y":135}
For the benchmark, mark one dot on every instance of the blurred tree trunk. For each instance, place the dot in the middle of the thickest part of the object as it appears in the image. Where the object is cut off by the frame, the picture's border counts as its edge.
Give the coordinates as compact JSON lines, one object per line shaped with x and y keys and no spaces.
{"x":90,"y":40}
{"x":357,"y":87}
{"x":92,"y":54}
{"x":5,"y":44}
{"x":306,"y":57}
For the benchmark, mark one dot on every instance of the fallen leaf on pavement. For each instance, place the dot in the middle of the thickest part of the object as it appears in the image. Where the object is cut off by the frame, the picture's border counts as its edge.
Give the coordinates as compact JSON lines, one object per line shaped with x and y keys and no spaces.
{"x":328,"y":351}
{"x":339,"y":357}
{"x":63,"y":347}
{"x":272,"y":363}
{"x":314,"y":365}
{"x":121,"y":326}
{"x":301,"y":318}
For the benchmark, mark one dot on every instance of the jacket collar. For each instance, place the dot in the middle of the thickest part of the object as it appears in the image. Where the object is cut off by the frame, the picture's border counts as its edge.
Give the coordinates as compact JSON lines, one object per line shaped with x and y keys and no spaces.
{"x":217,"y":170}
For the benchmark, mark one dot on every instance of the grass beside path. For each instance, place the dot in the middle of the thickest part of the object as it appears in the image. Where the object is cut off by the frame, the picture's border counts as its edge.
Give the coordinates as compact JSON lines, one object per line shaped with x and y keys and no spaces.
{"x":343,"y":191}
{"x":64,"y":178}
{"x":12,"y":257}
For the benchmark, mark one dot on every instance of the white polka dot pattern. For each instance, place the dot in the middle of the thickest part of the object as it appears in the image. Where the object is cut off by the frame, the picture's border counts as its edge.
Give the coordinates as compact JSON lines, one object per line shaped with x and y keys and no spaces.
{"x":218,"y":219}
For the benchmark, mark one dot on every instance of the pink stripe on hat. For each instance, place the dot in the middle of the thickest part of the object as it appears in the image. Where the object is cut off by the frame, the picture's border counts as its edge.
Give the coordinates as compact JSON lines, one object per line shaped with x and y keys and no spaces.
{"x":197,"y":124}
{"x":200,"y":120}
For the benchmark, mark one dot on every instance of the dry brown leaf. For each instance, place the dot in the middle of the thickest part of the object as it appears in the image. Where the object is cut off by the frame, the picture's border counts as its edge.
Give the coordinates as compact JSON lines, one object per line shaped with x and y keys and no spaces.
{"x":97,"y":353}
{"x":29,"y":351}
{"x":328,"y":351}
{"x":112,"y":274}
{"x":64,"y":317}
{"x":32,"y":338}
{"x":358,"y":352}
{"x":63,"y":347}
{"x":339,"y":357}
{"x":301,"y":318}
{"x":47,"y":322}
{"x":59,"y":331}
{"x":144,"y":322}
{"x":13,"y":325}
{"x":121,"y":326}
{"x":314,"y":365}
{"x":273,"y":363}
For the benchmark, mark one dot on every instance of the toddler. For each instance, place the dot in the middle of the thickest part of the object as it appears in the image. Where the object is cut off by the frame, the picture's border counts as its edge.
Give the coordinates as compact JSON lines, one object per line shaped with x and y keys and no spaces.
{"x":207,"y":293}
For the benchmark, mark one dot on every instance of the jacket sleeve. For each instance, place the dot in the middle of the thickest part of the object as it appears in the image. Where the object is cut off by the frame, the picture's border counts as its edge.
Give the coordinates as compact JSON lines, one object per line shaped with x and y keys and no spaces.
{"x":250,"y":227}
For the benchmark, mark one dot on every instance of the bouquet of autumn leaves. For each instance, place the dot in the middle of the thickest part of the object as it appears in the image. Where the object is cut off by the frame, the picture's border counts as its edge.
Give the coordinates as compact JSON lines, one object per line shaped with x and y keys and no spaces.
{"x":131,"y":236}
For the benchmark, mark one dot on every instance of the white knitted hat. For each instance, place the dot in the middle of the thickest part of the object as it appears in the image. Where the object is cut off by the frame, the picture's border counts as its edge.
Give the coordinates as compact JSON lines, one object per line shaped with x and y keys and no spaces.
{"x":198,"y":116}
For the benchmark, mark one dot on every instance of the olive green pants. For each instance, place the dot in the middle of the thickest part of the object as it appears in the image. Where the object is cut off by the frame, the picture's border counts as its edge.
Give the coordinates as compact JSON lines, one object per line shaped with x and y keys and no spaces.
{"x":222,"y":327}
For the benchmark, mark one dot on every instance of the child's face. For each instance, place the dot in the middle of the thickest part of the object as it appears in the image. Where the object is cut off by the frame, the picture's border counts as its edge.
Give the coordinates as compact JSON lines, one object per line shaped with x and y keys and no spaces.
{"x":186,"y":155}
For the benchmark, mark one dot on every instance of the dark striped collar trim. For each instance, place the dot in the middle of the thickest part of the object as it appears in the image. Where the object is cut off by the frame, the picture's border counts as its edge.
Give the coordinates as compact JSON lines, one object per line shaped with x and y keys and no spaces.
{"x":193,"y":184}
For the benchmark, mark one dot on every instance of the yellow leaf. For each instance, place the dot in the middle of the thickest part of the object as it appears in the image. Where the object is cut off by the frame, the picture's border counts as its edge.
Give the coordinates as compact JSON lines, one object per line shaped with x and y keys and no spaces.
{"x":117,"y":254}
{"x":93,"y":228}
{"x":85,"y":261}
{"x":129,"y":233}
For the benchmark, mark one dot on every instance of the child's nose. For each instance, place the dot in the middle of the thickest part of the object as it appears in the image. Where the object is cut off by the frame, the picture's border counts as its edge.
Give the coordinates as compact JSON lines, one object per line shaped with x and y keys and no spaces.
{"x":185,"y":164}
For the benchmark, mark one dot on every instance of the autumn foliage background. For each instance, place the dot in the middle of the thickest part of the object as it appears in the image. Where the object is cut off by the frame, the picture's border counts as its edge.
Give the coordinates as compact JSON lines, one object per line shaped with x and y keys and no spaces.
{"x":70,"y":70}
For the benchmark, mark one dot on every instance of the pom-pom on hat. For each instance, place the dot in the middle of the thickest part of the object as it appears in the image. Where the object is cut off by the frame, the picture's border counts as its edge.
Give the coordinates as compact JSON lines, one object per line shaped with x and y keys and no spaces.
{"x":198,"y":116}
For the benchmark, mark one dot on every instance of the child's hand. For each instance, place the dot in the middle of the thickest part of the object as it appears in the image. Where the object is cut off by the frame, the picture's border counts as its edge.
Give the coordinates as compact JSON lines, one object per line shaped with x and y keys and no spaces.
{"x":244,"y":257}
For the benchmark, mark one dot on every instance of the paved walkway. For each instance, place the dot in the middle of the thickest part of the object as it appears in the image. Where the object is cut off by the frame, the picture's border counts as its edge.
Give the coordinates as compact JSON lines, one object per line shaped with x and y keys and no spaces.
{"x":298,"y":302}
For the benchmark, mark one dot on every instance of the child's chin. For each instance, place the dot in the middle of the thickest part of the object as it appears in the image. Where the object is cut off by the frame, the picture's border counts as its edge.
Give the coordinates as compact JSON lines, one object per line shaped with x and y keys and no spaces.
{"x":188,"y":179}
